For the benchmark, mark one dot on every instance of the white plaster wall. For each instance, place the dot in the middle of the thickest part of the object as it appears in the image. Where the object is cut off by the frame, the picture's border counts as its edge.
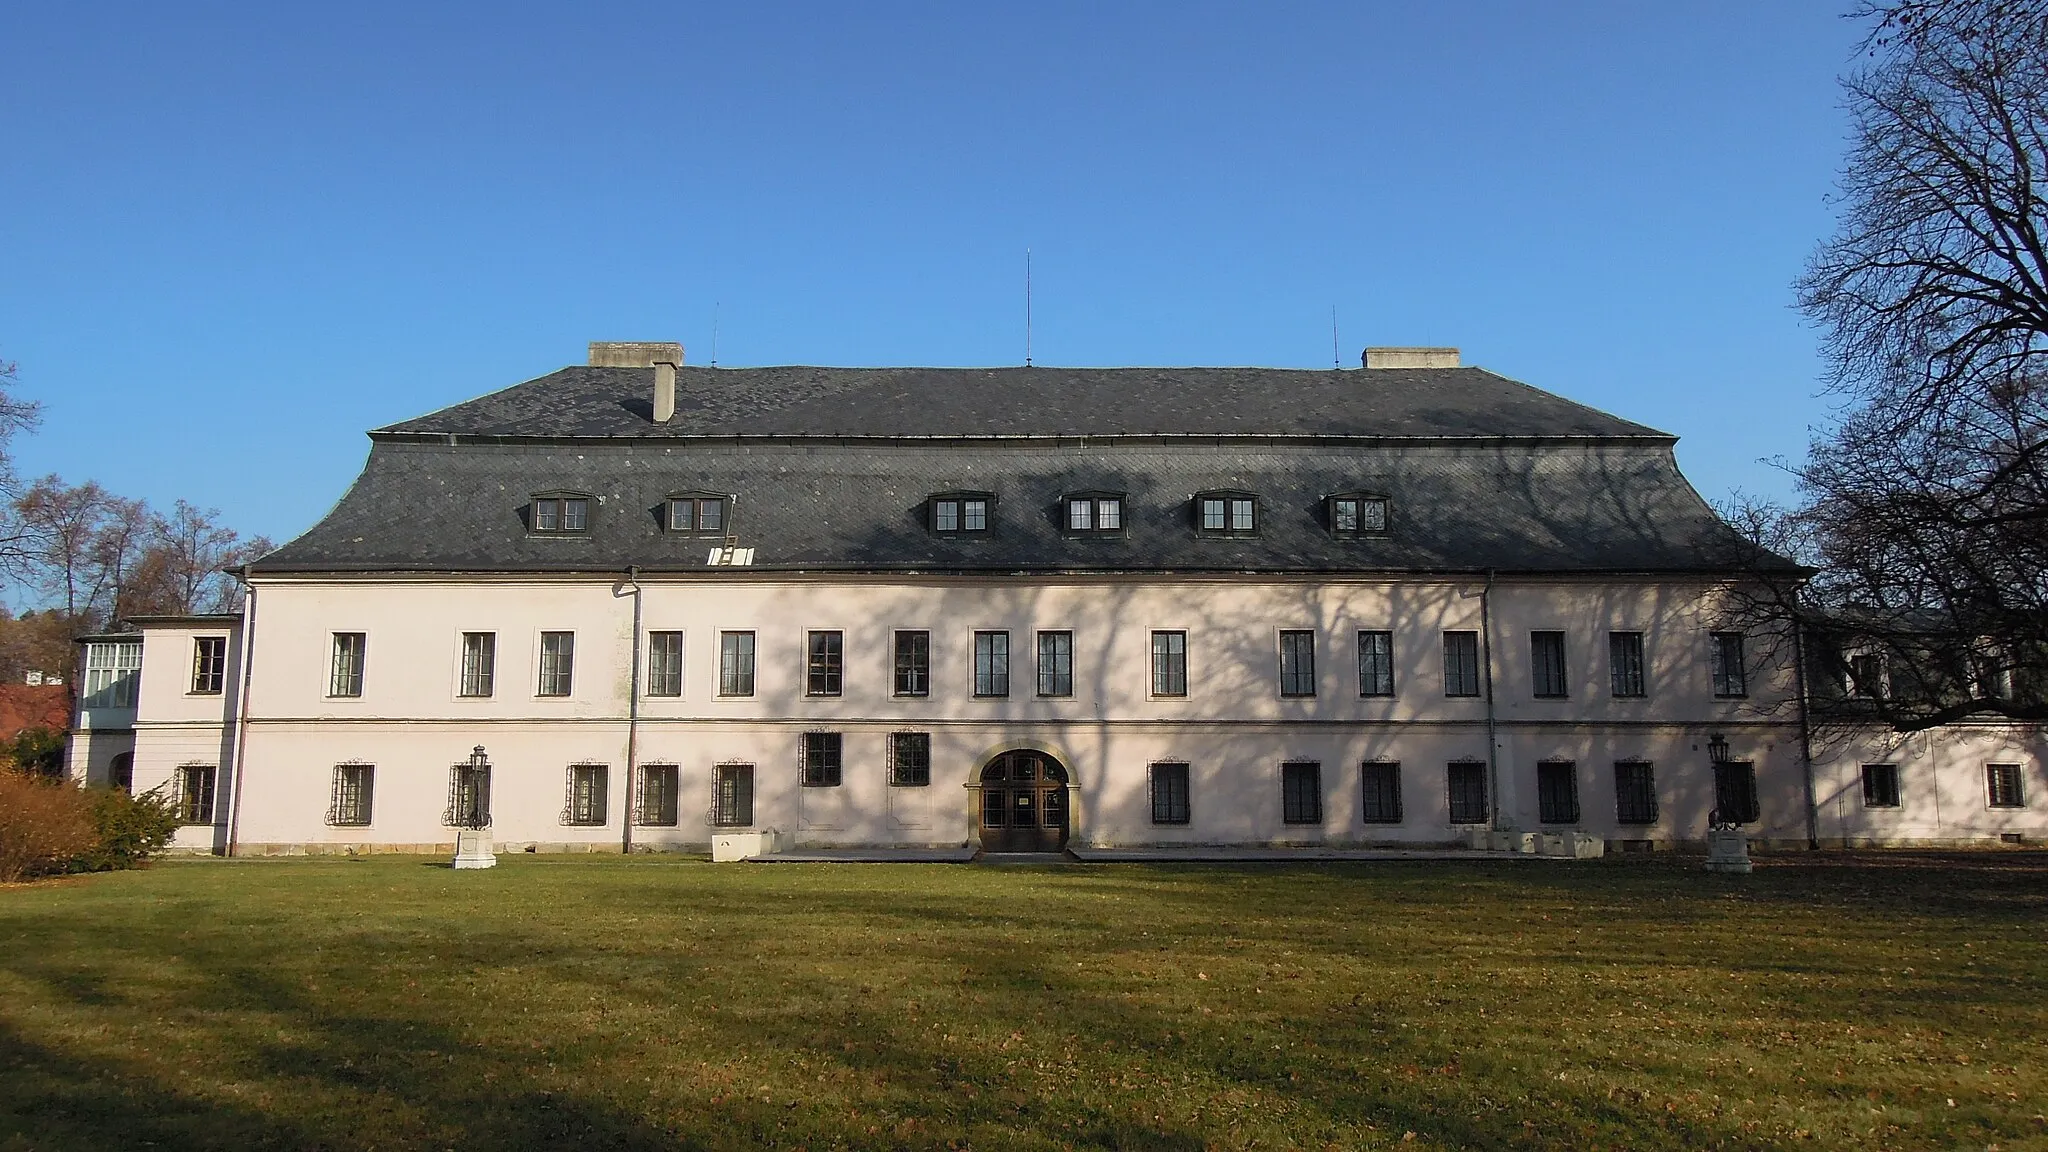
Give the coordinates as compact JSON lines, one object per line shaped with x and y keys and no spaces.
{"x":1943,"y":795}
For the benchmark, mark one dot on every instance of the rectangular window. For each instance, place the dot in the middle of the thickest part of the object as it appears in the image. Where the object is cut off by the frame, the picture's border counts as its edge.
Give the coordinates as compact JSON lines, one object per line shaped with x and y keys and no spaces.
{"x":1169,"y":793}
{"x":1109,"y":514}
{"x":732,"y":795}
{"x":1635,"y":792}
{"x":588,"y":803}
{"x":736,"y":664}
{"x":1240,"y":515}
{"x":111,"y":672}
{"x":1055,"y":663}
{"x":1081,"y":515}
{"x":696,"y":514}
{"x":1866,"y":676}
{"x":1461,"y":663}
{"x":945,"y":515}
{"x":469,"y":797}
{"x":1546,"y":662}
{"x":349,"y":806}
{"x":1625,"y":663}
{"x":561,"y":514}
{"x":913,"y":663}
{"x":1880,"y":785}
{"x":1380,"y":785}
{"x":2002,"y":786}
{"x":1345,"y":514}
{"x":1301,"y":792}
{"x":1375,"y":663}
{"x":1730,"y":667}
{"x":479,"y":663}
{"x":659,"y":788}
{"x":1465,"y":785}
{"x":1557,"y":792}
{"x":345,"y":676}
{"x":1214,"y":515}
{"x":826,"y":658}
{"x":664,"y":663}
{"x":195,"y":793}
{"x":557,"y":663}
{"x":910,"y":759}
{"x":991,"y":663}
{"x":974,"y":515}
{"x":1297,"y":663}
{"x":209,"y":664}
{"x":1735,"y":800}
{"x":1169,"y":663}
{"x":821,"y":759}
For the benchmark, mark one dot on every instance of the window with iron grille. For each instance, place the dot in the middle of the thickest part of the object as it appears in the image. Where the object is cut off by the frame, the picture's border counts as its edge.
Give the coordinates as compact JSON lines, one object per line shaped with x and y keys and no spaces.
{"x":1375,"y":663}
{"x":1169,"y":793}
{"x":732,"y":795}
{"x":826,"y":659}
{"x":588,"y":804}
{"x":1461,"y":663}
{"x":479,"y":663}
{"x":660,"y":786}
{"x":1301,"y":792}
{"x":1226,"y":513}
{"x":1055,"y":663}
{"x":735,"y":663}
{"x":991,"y":663}
{"x":1546,"y":660}
{"x":910,"y":759}
{"x":1357,"y":515}
{"x":2002,"y":786}
{"x":913,"y":663}
{"x":560,"y":514}
{"x":1169,"y":663}
{"x":469,"y":797}
{"x":1635,"y":792}
{"x":1465,"y":785}
{"x":1557,"y":792}
{"x":1730,"y":666}
{"x":195,"y":793}
{"x":557,"y":663}
{"x":821,"y":759}
{"x":1735,"y":798}
{"x":664,"y":663}
{"x":112,"y":669}
{"x":209,"y":664}
{"x":354,"y":785}
{"x":1380,"y":785}
{"x":700,"y":514}
{"x":345,"y":674}
{"x":1625,"y":663}
{"x":1880,"y":785}
{"x":1094,"y":512}
{"x":1297,"y":663}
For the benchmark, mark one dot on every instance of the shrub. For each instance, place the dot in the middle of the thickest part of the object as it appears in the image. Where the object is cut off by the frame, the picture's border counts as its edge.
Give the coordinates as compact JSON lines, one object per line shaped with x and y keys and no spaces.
{"x":44,"y":825}
{"x":129,"y":829}
{"x":38,"y":751}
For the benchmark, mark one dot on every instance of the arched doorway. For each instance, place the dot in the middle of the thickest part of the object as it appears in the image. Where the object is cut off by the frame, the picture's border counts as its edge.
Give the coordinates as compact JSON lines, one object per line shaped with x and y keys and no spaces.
{"x":121,"y":771}
{"x":1023,"y":803}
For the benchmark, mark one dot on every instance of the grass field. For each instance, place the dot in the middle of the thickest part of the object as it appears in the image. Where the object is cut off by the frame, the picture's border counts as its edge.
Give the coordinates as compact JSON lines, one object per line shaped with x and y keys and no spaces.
{"x":1899,"y":1001}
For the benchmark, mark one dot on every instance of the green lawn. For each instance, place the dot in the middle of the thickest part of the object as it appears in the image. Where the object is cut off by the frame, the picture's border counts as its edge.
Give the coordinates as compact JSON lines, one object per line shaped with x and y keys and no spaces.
{"x":1897,"y":1001}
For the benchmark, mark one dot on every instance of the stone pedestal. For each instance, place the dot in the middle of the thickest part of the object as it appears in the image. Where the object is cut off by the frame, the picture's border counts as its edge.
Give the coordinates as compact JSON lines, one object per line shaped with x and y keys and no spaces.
{"x":473,"y":849}
{"x":1727,"y":850}
{"x":727,"y":847}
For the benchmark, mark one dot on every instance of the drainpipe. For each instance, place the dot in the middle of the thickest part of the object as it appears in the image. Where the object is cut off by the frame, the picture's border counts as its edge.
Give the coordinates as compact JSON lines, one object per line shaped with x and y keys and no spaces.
{"x":1486,"y":659}
{"x":1805,"y":734}
{"x":242,"y":717}
{"x":632,"y":721}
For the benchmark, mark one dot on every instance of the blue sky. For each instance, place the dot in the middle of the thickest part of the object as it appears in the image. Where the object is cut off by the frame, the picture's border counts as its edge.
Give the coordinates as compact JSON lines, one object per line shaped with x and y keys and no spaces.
{"x":232,"y":238}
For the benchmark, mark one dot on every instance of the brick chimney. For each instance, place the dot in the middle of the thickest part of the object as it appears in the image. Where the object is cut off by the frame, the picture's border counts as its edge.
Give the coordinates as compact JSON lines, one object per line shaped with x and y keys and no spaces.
{"x":662,"y":356}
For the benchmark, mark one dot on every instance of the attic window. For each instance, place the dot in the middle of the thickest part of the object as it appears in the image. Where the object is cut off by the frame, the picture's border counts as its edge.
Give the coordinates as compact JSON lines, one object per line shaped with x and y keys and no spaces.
{"x":1226,"y":513}
{"x":693,"y":513}
{"x":1358,"y":514}
{"x":1089,"y":513}
{"x":958,"y":512}
{"x":558,"y":514}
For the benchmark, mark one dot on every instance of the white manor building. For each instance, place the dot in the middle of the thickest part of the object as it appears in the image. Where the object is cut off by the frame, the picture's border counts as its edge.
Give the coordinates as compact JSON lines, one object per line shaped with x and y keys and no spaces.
{"x":630,"y":604}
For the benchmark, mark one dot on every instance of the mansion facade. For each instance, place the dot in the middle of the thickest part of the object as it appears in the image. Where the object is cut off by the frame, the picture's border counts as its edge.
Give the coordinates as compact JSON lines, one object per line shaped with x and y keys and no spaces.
{"x":630,"y":604}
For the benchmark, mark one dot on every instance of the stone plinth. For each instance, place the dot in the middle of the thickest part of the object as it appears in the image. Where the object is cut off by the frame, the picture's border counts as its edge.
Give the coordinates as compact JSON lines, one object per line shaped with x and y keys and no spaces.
{"x":730,"y":846}
{"x":473,"y":849}
{"x":1727,"y":850}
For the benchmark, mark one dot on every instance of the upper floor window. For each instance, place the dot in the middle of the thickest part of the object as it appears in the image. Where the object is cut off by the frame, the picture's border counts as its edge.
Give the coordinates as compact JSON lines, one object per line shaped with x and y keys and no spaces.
{"x":1227,"y":513}
{"x":991,"y":663}
{"x":1169,"y":663}
{"x":1867,"y":676}
{"x":1055,"y":663}
{"x":557,"y":663}
{"x":956,"y":512}
{"x":913,"y":658}
{"x":560,"y":513}
{"x":345,"y":674}
{"x":1094,"y":512}
{"x":824,"y":663}
{"x":1546,"y":659}
{"x":1358,"y":514}
{"x":664,"y":663}
{"x":736,"y":664}
{"x":111,"y":671}
{"x":1375,"y":663}
{"x":1297,"y":662}
{"x":1461,"y":664}
{"x":1625,"y":664}
{"x":209,"y":664}
{"x":1730,"y":665}
{"x":689,"y":512}
{"x":479,"y":663}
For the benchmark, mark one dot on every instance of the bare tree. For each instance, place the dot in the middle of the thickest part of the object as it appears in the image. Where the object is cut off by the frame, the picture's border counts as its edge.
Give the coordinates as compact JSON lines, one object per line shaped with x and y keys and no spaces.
{"x":63,"y":521}
{"x":184,"y":568}
{"x":16,"y":417}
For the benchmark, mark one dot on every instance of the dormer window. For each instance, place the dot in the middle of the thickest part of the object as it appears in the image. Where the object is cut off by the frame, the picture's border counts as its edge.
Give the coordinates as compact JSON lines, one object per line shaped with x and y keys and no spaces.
{"x":695,"y":513}
{"x":560,"y":513}
{"x":1358,"y":514}
{"x":1094,"y":512}
{"x":1227,"y":513}
{"x":957,"y":512}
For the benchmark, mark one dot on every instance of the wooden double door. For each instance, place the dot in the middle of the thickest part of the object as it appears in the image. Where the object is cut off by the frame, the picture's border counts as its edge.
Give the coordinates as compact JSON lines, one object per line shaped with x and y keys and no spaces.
{"x":1023,"y":803}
